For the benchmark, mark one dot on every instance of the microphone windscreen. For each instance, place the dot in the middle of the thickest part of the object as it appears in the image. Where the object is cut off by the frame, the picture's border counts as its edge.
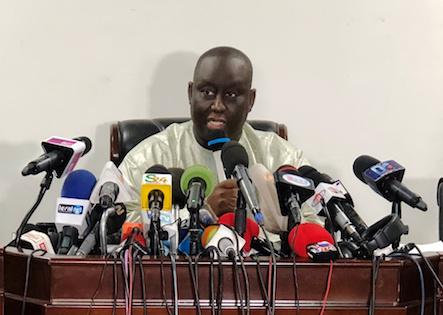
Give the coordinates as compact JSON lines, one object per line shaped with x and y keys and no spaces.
{"x":361,"y":164}
{"x":178,"y":197}
{"x":316,"y":176}
{"x":208,"y":234}
{"x":157,"y":169}
{"x":264,"y":183}
{"x":232,"y":154}
{"x":78,"y":185}
{"x":252,"y":228}
{"x":217,"y":138}
{"x":198,"y":172}
{"x":87,"y":142}
{"x":134,"y":231}
{"x":306,"y":234}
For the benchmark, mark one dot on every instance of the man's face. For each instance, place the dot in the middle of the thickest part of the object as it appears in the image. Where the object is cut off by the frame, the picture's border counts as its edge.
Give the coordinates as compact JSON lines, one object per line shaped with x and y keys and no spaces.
{"x":220,"y":97}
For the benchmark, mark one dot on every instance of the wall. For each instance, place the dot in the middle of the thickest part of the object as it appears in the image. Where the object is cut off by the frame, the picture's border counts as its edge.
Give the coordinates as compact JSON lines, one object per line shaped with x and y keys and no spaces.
{"x":347,"y":77}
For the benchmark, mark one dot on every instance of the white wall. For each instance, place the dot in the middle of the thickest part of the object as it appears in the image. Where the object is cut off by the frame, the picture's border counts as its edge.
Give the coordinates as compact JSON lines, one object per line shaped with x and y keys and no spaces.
{"x":347,"y":77}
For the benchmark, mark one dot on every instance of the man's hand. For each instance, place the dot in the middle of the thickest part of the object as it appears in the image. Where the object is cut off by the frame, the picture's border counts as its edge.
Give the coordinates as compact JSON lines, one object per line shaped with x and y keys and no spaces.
{"x":224,"y":197}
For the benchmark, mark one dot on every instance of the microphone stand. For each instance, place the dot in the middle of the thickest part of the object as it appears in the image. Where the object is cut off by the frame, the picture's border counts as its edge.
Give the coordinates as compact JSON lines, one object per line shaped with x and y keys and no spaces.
{"x":44,"y":187}
{"x":103,"y":230}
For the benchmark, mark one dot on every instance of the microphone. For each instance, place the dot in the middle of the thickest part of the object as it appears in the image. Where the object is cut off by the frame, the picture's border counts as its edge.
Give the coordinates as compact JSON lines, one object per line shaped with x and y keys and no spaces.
{"x":334,"y":197}
{"x":133,"y":232}
{"x":268,"y":199}
{"x":178,"y":197}
{"x":251,"y":232}
{"x":111,"y":188}
{"x":385,"y":179}
{"x":68,"y":238}
{"x":156,"y":189}
{"x":222,"y":238}
{"x":34,"y":239}
{"x":235,"y":160}
{"x":73,"y":205}
{"x":61,"y":155}
{"x":156,"y":195}
{"x":293,"y":190}
{"x":196,"y":183}
{"x":217,"y":139}
{"x":312,"y":240}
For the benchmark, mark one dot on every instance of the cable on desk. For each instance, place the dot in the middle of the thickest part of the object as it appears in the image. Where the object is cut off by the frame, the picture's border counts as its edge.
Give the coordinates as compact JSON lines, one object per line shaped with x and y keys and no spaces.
{"x":246,"y":280}
{"x":261,"y":283}
{"x":143,"y":285}
{"x":374,"y":276}
{"x":420,"y":273}
{"x":294,"y":274}
{"x":28,"y":271}
{"x":194,"y":284}
{"x":328,"y":287}
{"x":272,"y":273}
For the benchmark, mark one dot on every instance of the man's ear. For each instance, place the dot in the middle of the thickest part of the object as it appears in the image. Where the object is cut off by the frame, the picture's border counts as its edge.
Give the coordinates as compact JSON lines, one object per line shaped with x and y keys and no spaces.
{"x":190,"y":84}
{"x":252,"y":93}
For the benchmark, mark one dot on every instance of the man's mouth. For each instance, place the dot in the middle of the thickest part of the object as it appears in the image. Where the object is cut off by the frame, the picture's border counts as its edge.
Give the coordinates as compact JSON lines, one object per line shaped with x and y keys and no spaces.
{"x":216,"y":123}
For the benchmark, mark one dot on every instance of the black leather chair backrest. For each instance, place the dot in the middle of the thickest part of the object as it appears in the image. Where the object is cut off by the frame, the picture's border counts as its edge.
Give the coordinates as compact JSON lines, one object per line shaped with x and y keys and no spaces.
{"x":126,"y":134}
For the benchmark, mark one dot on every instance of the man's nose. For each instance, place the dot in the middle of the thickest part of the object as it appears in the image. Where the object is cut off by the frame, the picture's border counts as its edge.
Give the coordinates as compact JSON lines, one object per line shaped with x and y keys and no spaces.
{"x":218,"y":104}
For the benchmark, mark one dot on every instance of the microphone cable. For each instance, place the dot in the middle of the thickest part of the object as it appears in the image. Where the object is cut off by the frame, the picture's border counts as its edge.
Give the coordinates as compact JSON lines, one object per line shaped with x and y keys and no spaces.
{"x":28,"y":271}
{"x":211,"y":272}
{"x":376,"y":260}
{"x":294,"y":275}
{"x":273,"y":273}
{"x":143,"y":285}
{"x":420,"y":273}
{"x":328,"y":287}
{"x":261,"y":283}
{"x":194,"y":283}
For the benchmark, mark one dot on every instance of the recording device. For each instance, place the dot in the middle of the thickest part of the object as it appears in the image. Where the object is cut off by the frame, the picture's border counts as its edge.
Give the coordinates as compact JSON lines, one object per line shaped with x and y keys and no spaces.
{"x":268,"y":199}
{"x":155,"y":196}
{"x":385,"y":179}
{"x":293,"y":190}
{"x":67,"y":239}
{"x":251,"y":232}
{"x":235,"y":160}
{"x":111,"y":188}
{"x":217,"y":139}
{"x":312,"y":240}
{"x":178,"y":197}
{"x":197,"y":182}
{"x":224,"y":239}
{"x":333,"y":197}
{"x":73,"y":205}
{"x":61,"y":155}
{"x":34,"y":239}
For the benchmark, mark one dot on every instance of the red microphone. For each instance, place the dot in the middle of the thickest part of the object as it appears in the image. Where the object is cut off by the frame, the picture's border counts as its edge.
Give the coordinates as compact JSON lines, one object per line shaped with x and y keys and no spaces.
{"x":252,"y":229}
{"x":306,"y":234}
{"x":133,"y":231}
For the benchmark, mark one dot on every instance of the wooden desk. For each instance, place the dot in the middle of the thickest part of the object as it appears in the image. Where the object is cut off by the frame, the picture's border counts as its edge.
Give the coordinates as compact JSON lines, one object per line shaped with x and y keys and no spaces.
{"x":66,"y":285}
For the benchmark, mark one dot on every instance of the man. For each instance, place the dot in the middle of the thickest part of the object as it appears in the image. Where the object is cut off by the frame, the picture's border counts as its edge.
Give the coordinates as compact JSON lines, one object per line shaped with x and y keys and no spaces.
{"x":220,"y":98}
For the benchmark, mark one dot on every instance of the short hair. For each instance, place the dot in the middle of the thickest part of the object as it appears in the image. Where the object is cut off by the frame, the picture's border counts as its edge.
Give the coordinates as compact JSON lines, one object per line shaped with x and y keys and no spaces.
{"x":226,"y":52}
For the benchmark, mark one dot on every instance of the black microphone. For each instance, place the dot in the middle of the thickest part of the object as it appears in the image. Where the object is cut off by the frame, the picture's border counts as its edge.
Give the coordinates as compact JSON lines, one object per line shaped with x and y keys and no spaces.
{"x":292,"y":190}
{"x":108,"y":194}
{"x":61,"y":156}
{"x":68,"y":238}
{"x":178,"y":197}
{"x":385,"y":179}
{"x":235,"y":160}
{"x":338,"y":205}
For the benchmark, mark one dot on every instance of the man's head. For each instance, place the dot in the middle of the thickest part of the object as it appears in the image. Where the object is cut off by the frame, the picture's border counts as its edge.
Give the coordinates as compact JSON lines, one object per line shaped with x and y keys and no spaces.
{"x":220,"y":95}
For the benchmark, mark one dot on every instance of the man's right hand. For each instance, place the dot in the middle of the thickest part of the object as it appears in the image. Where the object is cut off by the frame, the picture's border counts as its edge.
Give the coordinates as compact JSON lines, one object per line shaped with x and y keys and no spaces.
{"x":224,"y":197}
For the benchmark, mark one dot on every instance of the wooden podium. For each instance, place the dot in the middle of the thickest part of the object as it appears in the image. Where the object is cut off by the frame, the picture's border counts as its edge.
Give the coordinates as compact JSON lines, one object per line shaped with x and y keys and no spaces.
{"x":66,"y":285}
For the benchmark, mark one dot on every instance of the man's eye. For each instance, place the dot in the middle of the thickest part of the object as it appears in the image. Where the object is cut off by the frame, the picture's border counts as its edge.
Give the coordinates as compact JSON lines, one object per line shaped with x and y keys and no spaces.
{"x":207,"y":92}
{"x":232,"y":94}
